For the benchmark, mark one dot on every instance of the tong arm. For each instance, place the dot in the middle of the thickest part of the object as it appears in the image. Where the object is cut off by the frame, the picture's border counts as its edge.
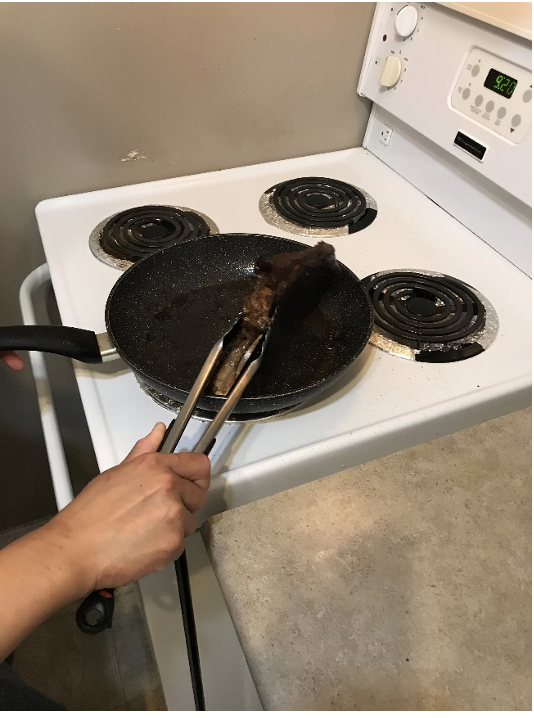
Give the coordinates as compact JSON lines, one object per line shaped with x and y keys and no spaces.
{"x":177,"y":427}
{"x":206,"y":441}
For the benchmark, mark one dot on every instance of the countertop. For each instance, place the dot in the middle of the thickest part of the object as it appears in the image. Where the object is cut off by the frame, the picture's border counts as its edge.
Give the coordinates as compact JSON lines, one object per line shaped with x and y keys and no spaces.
{"x":401,"y":584}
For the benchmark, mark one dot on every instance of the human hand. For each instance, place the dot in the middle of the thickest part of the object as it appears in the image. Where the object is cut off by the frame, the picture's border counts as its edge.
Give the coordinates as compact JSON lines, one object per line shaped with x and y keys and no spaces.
{"x":12,"y":360}
{"x":131,"y":519}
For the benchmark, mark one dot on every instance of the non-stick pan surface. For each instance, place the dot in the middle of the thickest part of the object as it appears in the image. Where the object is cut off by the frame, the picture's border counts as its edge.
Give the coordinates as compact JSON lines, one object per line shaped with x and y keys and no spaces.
{"x":165,"y":313}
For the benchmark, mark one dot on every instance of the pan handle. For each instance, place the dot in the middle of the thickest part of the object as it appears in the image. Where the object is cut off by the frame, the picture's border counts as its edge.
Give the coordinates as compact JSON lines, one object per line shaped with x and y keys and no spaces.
{"x":80,"y":344}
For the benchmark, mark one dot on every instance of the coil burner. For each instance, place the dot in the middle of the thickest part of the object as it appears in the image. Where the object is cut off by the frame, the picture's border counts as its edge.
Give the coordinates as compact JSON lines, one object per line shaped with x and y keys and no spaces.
{"x":317,"y":207}
{"x":429,"y":317}
{"x":124,"y":238}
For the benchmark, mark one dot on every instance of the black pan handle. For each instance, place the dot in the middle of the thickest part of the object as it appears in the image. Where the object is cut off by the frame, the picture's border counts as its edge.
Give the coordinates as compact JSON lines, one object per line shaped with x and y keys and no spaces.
{"x":78,"y":344}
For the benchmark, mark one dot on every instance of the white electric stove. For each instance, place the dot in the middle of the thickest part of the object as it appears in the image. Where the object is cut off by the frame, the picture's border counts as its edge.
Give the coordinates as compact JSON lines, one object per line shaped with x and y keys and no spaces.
{"x":439,"y":208}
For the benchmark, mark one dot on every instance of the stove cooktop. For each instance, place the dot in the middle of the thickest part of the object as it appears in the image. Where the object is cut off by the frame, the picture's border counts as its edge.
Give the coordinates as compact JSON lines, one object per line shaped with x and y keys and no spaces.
{"x":382,"y":404}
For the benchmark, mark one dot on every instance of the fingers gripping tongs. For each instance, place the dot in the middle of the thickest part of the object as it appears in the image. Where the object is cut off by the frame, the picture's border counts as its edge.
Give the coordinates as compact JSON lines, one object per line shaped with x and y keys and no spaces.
{"x":249,"y":365}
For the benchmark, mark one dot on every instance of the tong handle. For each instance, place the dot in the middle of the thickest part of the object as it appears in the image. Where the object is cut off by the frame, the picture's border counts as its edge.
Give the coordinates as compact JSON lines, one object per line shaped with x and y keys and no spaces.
{"x":169,"y":442}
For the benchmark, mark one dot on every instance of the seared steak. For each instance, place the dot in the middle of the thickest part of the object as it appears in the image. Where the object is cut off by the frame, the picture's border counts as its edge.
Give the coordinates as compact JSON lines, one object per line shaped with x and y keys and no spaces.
{"x":272,"y":280}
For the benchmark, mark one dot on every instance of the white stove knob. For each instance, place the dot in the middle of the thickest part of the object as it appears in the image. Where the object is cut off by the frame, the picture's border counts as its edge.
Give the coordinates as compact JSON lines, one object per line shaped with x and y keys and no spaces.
{"x":406,"y":20}
{"x":391,"y":71}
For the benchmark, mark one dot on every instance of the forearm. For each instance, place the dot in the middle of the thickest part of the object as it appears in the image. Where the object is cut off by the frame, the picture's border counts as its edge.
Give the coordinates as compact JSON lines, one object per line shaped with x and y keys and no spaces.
{"x":39,"y":576}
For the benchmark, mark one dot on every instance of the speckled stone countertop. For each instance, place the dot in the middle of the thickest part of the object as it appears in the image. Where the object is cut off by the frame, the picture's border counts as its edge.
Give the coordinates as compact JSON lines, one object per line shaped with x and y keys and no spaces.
{"x":402,"y":584}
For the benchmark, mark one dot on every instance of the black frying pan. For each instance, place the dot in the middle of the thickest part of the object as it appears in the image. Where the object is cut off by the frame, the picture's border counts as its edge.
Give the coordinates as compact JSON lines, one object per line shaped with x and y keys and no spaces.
{"x":166,"y":311}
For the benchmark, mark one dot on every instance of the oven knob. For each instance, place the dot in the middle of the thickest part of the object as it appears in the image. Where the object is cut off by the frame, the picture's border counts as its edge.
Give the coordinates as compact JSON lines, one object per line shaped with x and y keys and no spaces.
{"x":391,"y":71}
{"x":406,"y":21}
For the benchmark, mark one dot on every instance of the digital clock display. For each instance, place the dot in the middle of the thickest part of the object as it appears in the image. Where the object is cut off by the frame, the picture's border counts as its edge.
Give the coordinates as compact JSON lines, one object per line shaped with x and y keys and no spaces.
{"x":500,"y":83}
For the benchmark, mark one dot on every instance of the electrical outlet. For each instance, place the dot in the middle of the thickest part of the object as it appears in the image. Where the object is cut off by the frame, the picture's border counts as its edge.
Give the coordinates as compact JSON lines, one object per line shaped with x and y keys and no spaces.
{"x":385,"y":134}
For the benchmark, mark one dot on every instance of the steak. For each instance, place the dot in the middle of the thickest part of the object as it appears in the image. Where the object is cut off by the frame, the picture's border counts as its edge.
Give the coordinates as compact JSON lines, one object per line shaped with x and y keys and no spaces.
{"x":286,"y":281}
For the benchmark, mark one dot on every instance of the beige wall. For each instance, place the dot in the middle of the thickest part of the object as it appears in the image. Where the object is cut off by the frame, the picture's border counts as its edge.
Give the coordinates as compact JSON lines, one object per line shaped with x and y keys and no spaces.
{"x":191,"y":86}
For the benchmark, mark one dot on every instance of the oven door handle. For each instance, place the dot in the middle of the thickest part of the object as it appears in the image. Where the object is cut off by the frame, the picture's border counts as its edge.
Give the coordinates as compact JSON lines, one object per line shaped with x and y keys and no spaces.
{"x":54,"y":444}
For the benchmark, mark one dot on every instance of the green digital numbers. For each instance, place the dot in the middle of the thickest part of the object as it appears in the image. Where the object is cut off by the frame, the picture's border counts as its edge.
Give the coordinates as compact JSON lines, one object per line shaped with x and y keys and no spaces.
{"x":500,"y":83}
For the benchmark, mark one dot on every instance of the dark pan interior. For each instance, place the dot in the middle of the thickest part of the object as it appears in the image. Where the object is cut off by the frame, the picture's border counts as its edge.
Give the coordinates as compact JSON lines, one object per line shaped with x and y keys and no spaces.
{"x":165,"y":313}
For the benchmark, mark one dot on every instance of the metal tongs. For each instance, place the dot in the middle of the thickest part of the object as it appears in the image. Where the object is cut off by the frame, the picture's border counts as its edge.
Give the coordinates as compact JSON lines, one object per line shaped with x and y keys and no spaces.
{"x":249,"y":366}
{"x":96,"y":612}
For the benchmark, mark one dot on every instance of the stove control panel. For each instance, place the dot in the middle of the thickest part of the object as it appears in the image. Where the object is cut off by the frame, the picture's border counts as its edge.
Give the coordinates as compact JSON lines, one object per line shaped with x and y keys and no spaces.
{"x":393,"y":62}
{"x":496,"y":93}
{"x":455,"y":82}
